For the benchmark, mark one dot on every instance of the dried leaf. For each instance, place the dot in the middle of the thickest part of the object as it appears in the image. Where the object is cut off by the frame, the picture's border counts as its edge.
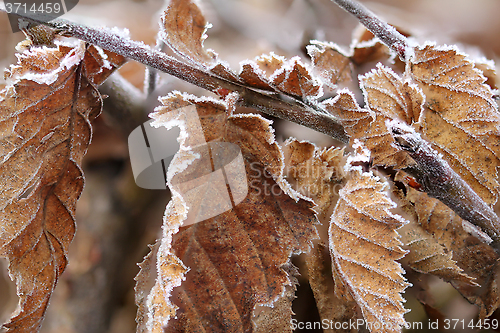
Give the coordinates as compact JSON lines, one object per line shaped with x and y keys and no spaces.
{"x":185,"y":30}
{"x":365,"y":246}
{"x":296,"y":79}
{"x":489,"y":71}
{"x":330,"y":307}
{"x":270,"y":63}
{"x":333,"y":66}
{"x":46,"y":112}
{"x":253,"y":76}
{"x":236,"y":259}
{"x":366,"y":47}
{"x":315,"y":173}
{"x":477,"y":259}
{"x":144,"y":283}
{"x":428,"y":256}
{"x":278,"y":317}
{"x":386,"y":97}
{"x":461,"y":118}
{"x":154,"y":306}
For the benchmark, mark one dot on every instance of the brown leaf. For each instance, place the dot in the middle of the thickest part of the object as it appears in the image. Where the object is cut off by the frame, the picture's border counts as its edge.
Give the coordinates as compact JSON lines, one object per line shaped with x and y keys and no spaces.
{"x":332,"y":64}
{"x":489,"y":71}
{"x":270,"y":63}
{"x":296,"y":79}
{"x":253,"y":76}
{"x":236,"y":259}
{"x":289,"y":76}
{"x":184,"y":30}
{"x":331,"y":307}
{"x":477,"y":259}
{"x":46,"y":111}
{"x":319,"y":174}
{"x":461,"y":118}
{"x":154,"y":305}
{"x":387,"y":97}
{"x":428,"y":256}
{"x":367,"y":48}
{"x":277,"y":318}
{"x":465,"y":132}
{"x":365,"y":248}
{"x":315,"y":173}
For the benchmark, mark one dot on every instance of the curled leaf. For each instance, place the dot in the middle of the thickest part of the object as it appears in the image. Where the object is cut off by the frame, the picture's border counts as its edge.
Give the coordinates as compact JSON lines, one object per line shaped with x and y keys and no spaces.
{"x":270,"y":63}
{"x":252,"y":75}
{"x":387,"y":97}
{"x":184,"y":30}
{"x":316,"y":173}
{"x":331,"y":307}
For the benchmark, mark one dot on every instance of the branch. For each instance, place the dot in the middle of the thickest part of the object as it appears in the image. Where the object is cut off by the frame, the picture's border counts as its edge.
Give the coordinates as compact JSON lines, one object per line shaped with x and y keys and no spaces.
{"x":440,"y":181}
{"x":124,"y":103}
{"x":311,"y":116}
{"x":385,"y":32}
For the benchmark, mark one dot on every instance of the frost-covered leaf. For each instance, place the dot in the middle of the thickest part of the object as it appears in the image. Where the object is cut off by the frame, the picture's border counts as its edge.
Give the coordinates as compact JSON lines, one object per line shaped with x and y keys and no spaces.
{"x":477,"y":260}
{"x":236,"y":259}
{"x":319,"y":174}
{"x":271,"y":72}
{"x":366,"y":47}
{"x":386,"y":97}
{"x":457,"y":115}
{"x":333,"y":66}
{"x":146,"y":292}
{"x":254,"y":76}
{"x":462,"y":118}
{"x":365,"y":247}
{"x":315,"y":173}
{"x":330,"y":306}
{"x":270,"y":63}
{"x":184,"y":29}
{"x":428,"y":256}
{"x":278,"y":317}
{"x":46,"y":110}
{"x":296,"y":79}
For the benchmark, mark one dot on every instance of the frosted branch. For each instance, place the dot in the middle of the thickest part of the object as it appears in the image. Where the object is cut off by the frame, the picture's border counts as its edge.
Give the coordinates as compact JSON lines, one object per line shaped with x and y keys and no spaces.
{"x":440,"y":181}
{"x":294,"y":110}
{"x":385,"y":32}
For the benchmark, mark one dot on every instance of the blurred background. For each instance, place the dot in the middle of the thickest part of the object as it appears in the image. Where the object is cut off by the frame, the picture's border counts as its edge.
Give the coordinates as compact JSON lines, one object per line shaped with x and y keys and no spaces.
{"x":117,"y":220}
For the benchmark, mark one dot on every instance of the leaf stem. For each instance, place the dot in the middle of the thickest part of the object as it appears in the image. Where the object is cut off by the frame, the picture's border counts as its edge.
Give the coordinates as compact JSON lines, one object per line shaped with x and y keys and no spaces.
{"x":385,"y":32}
{"x":440,"y":181}
{"x":311,"y":116}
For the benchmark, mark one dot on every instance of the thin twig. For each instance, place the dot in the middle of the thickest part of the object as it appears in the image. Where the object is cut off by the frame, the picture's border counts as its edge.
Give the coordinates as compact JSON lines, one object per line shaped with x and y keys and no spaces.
{"x":311,"y":116}
{"x":385,"y":32}
{"x":124,"y":103}
{"x":440,"y":181}
{"x":152,"y":76}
